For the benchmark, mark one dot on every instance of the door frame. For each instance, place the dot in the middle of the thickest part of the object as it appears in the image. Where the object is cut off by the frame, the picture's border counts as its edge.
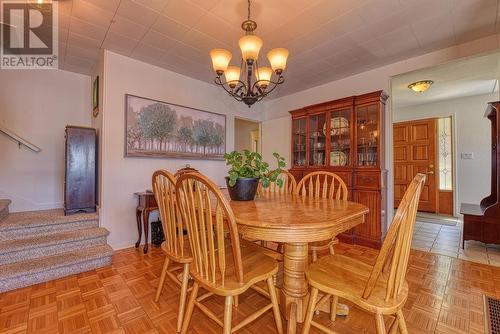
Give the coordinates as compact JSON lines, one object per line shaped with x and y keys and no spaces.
{"x":454,"y":145}
{"x":248,"y":120}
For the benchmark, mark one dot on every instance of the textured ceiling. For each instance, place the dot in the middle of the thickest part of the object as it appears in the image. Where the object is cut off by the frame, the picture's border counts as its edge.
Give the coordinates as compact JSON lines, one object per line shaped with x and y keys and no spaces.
{"x":327,"y":39}
{"x":473,"y":76}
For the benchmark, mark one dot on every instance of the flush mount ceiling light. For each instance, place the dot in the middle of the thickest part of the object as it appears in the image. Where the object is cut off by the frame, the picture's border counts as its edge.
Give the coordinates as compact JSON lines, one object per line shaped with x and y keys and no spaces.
{"x":420,"y":86}
{"x":257,"y":82}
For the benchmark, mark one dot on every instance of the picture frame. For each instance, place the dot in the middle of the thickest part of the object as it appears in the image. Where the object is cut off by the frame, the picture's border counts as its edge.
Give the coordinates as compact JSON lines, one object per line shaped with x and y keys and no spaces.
{"x":95,"y":97}
{"x":160,"y":129}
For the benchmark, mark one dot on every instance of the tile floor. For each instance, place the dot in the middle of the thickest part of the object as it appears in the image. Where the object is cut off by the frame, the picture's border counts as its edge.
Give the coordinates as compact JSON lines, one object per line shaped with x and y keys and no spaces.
{"x":447,"y":240}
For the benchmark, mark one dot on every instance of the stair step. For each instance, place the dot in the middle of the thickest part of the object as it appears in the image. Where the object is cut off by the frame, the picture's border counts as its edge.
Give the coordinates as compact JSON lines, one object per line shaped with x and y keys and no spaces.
{"x":4,"y":208}
{"x":46,"y":245}
{"x":21,"y":225}
{"x":29,"y":272}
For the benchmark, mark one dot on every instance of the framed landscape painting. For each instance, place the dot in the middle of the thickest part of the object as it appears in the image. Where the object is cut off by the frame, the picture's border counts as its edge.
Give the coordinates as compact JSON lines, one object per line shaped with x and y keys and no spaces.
{"x":166,"y":130}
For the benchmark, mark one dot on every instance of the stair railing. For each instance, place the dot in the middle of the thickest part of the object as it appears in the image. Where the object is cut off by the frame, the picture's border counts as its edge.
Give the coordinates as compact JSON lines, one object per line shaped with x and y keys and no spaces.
{"x":20,"y":141}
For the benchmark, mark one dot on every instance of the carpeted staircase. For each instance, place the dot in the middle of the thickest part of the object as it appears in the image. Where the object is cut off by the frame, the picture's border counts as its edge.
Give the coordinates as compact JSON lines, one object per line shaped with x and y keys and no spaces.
{"x":39,"y":246}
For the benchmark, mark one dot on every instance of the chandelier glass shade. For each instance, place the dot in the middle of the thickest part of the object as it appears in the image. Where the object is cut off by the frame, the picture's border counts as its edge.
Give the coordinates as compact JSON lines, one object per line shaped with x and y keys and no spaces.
{"x":249,"y":82}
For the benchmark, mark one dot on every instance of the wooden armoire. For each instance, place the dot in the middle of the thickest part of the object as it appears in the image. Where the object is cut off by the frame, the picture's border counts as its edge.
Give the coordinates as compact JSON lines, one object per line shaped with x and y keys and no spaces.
{"x":80,"y":181}
{"x":482,"y":221}
{"x":346,"y":137}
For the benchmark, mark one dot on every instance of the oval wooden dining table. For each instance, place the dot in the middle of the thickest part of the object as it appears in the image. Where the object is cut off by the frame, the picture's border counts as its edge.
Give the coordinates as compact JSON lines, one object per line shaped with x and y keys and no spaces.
{"x":295,"y":221}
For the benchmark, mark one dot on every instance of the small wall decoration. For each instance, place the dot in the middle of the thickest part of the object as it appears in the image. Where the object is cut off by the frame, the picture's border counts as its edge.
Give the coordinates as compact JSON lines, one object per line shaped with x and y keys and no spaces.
{"x":95,"y":97}
{"x":159,"y":129}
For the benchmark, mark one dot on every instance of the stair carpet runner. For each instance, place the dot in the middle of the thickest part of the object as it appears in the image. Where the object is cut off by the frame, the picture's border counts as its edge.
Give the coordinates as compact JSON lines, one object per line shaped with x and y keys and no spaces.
{"x":40,"y":246}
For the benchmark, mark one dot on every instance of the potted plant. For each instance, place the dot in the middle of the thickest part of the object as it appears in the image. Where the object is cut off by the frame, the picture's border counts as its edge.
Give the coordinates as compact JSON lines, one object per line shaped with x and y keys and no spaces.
{"x":247,"y":169}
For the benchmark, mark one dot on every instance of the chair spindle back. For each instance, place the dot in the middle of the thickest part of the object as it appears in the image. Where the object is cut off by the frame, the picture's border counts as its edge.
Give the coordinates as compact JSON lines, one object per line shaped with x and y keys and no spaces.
{"x":206,"y":213}
{"x":395,"y":251}
{"x":289,"y":184}
{"x":164,"y":191}
{"x":322,"y":185}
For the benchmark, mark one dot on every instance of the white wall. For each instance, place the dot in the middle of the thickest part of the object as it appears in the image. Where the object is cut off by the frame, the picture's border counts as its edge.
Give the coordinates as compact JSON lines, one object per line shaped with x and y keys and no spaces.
{"x":123,"y":176}
{"x":473,"y":135}
{"x":37,"y":105}
{"x":276,"y":110}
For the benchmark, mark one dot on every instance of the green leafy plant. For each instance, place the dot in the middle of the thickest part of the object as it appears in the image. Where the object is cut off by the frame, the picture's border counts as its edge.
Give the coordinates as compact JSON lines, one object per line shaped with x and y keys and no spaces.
{"x":250,"y":165}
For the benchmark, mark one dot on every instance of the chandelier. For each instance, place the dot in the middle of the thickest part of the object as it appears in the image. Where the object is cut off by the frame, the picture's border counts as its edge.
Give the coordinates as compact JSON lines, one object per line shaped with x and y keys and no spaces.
{"x":249,"y":82}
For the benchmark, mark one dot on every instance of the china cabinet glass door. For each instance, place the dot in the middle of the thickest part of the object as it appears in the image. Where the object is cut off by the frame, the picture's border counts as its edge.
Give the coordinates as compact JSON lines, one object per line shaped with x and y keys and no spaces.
{"x":317,"y":140}
{"x":299,"y":141}
{"x":340,"y":137}
{"x":367,"y":134}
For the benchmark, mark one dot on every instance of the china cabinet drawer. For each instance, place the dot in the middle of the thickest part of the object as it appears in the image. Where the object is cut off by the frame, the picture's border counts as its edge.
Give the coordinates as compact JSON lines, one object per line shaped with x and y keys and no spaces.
{"x":367,"y":180}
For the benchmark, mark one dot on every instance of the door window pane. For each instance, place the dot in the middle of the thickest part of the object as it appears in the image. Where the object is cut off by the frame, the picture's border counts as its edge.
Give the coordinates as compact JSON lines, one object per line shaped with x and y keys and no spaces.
{"x":445,"y":154}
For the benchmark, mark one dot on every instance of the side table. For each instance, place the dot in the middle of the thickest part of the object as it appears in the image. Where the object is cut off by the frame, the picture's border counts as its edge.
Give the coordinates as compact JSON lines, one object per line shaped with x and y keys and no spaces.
{"x":147,"y":204}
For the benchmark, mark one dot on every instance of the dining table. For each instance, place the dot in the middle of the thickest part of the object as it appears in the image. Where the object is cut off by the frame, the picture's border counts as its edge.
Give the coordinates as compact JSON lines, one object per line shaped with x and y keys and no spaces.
{"x":295,"y":221}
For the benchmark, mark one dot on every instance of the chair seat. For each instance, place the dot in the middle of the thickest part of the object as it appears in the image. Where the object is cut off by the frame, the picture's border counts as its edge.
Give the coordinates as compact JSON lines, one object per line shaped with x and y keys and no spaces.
{"x":187,"y":258}
{"x":257,"y":267}
{"x":347,"y":278}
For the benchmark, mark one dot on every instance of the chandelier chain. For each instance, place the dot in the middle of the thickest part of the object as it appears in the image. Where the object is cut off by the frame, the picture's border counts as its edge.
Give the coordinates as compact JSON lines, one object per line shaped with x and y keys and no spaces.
{"x":249,"y":10}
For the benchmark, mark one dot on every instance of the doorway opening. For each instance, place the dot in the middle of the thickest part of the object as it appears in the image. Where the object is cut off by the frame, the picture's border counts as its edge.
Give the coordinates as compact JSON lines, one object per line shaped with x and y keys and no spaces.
{"x":247,"y":135}
{"x":440,"y":130}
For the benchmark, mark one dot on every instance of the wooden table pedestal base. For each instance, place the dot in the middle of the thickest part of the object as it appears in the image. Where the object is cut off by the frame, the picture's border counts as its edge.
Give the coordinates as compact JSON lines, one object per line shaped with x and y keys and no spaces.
{"x":294,"y":296}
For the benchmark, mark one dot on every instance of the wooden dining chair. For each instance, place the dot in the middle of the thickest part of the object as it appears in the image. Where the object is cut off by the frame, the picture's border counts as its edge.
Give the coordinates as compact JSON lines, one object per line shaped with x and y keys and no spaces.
{"x":288,"y":187}
{"x":220,"y":266}
{"x":322,"y":185}
{"x":176,"y":246}
{"x":380,"y":289}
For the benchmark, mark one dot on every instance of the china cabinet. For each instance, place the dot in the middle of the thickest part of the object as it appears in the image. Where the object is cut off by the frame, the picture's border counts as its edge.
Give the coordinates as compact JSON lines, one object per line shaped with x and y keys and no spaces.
{"x":345,"y":136}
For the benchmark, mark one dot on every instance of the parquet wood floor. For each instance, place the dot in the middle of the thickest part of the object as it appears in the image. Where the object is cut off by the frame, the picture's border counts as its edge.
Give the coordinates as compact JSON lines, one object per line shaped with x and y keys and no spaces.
{"x":445,"y":297}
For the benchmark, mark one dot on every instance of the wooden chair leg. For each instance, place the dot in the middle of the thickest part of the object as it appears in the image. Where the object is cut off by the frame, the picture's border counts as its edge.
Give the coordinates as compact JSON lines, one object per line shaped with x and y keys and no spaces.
{"x":228,"y":311}
{"x":314,"y":256}
{"x":379,"y":318}
{"x":236,"y":301}
{"x":394,"y":326}
{"x":402,"y":322}
{"x":189,"y":309}
{"x":162,"y":278}
{"x":333,"y":308}
{"x":310,"y":311}
{"x":182,"y":301}
{"x":276,"y":308}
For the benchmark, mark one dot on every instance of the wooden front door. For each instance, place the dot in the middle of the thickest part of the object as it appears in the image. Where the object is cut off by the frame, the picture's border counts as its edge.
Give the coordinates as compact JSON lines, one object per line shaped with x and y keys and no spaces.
{"x":415,"y":152}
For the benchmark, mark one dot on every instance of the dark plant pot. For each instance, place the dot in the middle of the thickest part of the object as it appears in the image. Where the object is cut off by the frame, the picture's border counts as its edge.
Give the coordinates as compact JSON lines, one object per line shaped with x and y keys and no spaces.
{"x":244,"y":189}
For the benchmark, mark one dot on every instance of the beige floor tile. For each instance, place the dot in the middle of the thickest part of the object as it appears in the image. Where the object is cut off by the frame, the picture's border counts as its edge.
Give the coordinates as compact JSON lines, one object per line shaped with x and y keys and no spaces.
{"x":483,"y":259}
{"x":446,"y":242}
{"x":473,"y":252}
{"x":424,"y":236}
{"x":494,"y":257}
{"x":494,"y":263}
{"x":444,"y":247}
{"x":432,"y":226}
{"x":444,"y":252}
{"x":421,"y":248}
